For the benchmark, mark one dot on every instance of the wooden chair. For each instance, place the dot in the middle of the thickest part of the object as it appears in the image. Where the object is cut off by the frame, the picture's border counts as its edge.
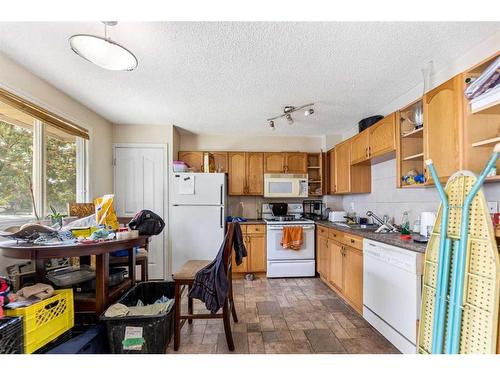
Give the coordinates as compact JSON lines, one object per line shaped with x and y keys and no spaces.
{"x":185,"y":277}
{"x":86,"y":209}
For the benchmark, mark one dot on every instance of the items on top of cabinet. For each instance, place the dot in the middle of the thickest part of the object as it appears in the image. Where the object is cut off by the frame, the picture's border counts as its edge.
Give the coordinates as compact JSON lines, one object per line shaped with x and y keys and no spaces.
{"x":367,"y":122}
{"x":489,"y":79}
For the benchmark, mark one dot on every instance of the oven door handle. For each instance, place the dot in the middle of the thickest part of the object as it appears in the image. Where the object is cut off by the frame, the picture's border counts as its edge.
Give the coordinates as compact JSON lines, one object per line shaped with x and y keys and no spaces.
{"x":275,"y":227}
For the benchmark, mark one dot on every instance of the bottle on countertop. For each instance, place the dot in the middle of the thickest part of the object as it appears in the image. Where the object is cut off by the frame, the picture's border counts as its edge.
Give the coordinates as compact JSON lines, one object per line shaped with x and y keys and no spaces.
{"x":405,"y":223}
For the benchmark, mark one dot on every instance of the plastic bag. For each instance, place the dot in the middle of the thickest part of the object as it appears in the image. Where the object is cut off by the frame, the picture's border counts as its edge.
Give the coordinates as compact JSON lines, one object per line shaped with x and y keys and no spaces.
{"x":105,"y":213}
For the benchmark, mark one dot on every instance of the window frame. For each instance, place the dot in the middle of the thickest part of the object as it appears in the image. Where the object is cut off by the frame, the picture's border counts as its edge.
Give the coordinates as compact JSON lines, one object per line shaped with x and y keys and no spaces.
{"x":43,"y":118}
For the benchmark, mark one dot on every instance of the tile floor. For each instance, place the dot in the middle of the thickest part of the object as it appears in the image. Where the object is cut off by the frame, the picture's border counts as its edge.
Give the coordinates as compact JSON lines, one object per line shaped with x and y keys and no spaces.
{"x":285,"y":316}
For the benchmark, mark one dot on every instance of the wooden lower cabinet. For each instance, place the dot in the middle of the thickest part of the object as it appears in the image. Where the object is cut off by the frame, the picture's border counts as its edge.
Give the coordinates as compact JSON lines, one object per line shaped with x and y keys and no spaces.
{"x":353,"y":282}
{"x":336,"y":276}
{"x":254,"y":236}
{"x":257,"y":248}
{"x":322,"y":256}
{"x":340,"y":265}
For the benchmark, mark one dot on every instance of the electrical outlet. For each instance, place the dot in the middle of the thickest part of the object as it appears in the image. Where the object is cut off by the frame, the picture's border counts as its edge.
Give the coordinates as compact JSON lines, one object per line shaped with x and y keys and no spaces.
{"x":493,"y":207}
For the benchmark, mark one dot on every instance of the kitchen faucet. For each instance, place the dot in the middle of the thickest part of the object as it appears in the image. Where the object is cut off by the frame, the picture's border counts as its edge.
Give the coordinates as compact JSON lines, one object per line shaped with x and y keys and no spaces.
{"x":385,"y":226}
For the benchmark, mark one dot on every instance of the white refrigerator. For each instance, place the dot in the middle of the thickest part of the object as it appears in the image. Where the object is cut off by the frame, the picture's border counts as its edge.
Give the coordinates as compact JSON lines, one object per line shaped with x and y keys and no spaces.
{"x":197,"y":217}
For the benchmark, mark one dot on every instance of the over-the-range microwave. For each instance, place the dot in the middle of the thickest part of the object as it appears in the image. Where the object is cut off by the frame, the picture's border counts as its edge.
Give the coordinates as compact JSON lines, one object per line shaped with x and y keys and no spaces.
{"x":285,"y":185}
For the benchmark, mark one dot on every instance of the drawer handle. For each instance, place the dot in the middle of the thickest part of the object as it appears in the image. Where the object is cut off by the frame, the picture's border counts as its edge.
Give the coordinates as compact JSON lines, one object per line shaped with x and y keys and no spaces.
{"x":352,"y":241}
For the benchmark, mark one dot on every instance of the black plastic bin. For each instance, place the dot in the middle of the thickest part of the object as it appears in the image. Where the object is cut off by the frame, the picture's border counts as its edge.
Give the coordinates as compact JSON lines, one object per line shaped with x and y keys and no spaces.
{"x":11,"y":336}
{"x":157,"y":330}
{"x":91,"y":341}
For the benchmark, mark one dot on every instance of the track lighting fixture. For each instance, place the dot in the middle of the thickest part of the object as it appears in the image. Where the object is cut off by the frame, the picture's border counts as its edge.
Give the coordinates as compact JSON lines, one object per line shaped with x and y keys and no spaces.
{"x":287,"y":114}
{"x":309,"y":112}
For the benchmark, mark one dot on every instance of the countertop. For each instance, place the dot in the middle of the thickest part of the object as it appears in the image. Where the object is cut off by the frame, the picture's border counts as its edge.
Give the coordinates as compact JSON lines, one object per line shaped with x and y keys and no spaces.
{"x":387,"y":238}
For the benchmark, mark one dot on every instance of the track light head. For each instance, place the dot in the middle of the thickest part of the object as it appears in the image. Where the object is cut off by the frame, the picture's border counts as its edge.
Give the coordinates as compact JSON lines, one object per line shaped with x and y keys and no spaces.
{"x":309,"y":112}
{"x":289,"y":118}
{"x":271,"y":125}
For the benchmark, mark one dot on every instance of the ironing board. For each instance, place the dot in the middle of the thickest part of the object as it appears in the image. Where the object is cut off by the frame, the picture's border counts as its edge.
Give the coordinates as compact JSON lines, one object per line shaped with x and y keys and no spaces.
{"x":478,"y":331}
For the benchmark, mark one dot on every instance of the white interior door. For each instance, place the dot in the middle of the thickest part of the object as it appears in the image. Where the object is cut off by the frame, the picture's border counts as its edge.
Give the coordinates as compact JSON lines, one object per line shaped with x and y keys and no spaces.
{"x":139,"y":183}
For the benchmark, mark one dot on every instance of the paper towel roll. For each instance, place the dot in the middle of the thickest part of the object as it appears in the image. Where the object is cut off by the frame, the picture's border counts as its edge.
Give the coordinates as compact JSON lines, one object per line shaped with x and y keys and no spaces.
{"x":426,"y":219}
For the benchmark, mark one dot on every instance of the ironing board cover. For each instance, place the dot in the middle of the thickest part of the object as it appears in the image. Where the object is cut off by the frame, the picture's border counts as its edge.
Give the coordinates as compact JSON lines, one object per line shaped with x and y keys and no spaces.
{"x":482,"y":283}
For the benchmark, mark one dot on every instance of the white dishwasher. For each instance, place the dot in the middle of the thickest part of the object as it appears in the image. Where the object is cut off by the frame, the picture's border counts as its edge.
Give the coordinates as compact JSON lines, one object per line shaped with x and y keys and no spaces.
{"x":392,"y":285}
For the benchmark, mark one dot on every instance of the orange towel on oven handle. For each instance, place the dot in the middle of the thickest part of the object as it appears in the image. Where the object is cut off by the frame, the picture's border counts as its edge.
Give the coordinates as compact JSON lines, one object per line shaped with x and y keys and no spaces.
{"x":293,"y":238}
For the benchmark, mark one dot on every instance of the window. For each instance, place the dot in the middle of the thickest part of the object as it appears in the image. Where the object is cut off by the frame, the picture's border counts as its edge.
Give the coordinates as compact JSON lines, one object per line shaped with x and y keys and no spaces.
{"x":60,"y":169}
{"x":16,"y":165}
{"x":42,"y":163}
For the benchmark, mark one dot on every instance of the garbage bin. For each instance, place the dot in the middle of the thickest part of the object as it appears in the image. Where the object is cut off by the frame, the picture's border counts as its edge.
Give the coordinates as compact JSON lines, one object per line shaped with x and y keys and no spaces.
{"x":91,"y":341}
{"x":152,"y":333}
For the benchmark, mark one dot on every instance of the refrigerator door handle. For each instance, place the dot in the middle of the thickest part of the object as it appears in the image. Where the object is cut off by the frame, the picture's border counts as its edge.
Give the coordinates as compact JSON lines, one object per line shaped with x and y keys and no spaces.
{"x":221,"y":193}
{"x":221,"y":213}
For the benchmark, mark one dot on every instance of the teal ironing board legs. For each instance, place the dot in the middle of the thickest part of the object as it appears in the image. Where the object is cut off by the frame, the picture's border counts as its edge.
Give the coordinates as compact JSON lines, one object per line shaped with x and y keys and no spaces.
{"x":457,"y":291}
{"x":451,"y":344}
{"x":443,"y":268}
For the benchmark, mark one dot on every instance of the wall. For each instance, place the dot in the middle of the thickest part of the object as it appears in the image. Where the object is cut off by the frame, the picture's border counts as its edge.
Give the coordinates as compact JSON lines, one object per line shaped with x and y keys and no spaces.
{"x":25,"y":84}
{"x":141,"y":134}
{"x":194,"y":142}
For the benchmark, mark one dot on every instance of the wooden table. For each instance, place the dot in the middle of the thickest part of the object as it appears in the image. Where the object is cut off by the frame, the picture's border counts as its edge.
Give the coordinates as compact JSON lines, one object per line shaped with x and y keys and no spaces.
{"x":103,"y":296}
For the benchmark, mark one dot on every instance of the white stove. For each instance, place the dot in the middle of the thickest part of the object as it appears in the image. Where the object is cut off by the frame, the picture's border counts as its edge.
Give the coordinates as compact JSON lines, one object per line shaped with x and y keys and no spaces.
{"x":285,"y":262}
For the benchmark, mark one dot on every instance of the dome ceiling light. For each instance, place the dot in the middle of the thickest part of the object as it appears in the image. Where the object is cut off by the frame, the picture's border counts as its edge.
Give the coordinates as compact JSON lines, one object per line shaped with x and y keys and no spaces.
{"x":287,"y":114}
{"x":102,"y":51}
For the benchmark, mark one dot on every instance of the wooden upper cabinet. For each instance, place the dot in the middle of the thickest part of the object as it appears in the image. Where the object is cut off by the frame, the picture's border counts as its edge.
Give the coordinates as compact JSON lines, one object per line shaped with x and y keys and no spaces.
{"x":255,"y":173}
{"x":246,"y":175}
{"x":336,"y":276}
{"x":192,"y":158}
{"x":296,"y":162}
{"x":359,"y":147}
{"x":382,"y":136}
{"x":353,"y":280}
{"x":274,"y":162}
{"x":343,"y":167}
{"x":285,"y":162}
{"x":331,"y":171}
{"x":237,"y":173}
{"x":442,"y":126}
{"x":220,"y":159}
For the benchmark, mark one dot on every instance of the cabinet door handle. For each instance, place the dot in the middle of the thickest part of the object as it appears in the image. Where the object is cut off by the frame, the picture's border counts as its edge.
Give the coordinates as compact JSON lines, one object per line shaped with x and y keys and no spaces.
{"x":352,"y":241}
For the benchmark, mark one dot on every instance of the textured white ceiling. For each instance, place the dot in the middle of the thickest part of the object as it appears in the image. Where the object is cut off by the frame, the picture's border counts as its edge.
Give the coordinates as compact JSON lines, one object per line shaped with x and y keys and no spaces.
{"x":219,"y":78}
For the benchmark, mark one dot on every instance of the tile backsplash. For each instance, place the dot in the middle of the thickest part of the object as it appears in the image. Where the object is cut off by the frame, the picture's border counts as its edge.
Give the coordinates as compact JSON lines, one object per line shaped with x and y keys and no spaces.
{"x":250,"y":207}
{"x":386,"y":199}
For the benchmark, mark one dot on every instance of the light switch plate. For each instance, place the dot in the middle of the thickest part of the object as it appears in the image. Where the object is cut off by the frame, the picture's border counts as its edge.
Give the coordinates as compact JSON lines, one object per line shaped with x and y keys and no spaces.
{"x":493,"y":207}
